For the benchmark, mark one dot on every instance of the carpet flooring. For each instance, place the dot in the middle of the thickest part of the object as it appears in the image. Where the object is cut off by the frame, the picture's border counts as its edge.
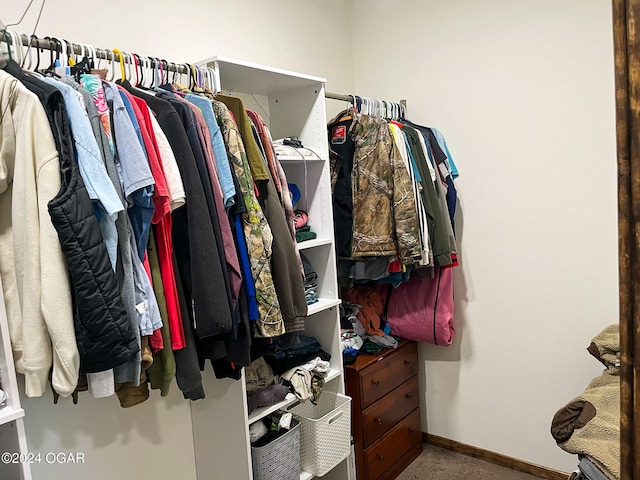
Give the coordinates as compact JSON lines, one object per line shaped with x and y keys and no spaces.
{"x":440,"y":464}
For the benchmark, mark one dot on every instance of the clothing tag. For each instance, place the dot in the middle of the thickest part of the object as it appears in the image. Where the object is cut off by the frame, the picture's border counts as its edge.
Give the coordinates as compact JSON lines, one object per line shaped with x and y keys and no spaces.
{"x":142,"y":307}
{"x":63,"y":71}
{"x":339,"y":135}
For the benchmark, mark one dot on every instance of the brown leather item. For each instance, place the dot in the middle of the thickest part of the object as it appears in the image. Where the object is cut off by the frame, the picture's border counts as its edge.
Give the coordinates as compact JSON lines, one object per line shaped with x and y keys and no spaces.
{"x":387,"y":451}
{"x":572,"y":417}
{"x":392,"y":371}
{"x":385,"y":413}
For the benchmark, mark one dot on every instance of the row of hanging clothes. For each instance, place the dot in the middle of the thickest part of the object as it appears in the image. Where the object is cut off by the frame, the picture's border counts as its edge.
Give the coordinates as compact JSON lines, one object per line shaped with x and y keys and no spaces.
{"x":394,"y":203}
{"x":145,"y":228}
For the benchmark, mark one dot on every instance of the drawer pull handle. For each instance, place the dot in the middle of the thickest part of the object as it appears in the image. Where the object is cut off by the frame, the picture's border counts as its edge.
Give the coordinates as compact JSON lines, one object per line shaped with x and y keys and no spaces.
{"x":379,"y":421}
{"x":407,"y":362}
{"x":377,"y":383}
{"x":408,"y":396}
{"x":381,"y":458}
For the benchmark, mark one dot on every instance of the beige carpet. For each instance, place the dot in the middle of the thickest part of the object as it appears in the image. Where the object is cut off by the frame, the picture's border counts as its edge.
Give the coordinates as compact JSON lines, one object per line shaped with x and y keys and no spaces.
{"x":439,"y":464}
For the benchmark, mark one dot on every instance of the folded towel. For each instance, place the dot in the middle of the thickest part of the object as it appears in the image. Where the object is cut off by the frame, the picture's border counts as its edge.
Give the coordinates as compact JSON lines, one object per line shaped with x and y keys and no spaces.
{"x":303,"y":234}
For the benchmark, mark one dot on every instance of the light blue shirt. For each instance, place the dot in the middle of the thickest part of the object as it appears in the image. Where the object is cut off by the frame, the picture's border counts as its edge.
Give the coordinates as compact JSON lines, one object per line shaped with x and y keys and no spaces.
{"x":223,"y":167}
{"x":134,"y":121}
{"x":443,"y":145}
{"x":92,"y":168}
{"x":133,"y":165}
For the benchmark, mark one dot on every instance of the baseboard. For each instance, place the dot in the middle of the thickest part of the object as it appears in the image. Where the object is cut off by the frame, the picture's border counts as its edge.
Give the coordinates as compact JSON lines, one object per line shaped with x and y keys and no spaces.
{"x":497,"y":458}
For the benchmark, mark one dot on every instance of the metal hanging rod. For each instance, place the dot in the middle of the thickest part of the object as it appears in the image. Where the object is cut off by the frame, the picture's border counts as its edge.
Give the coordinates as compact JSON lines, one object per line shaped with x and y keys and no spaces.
{"x":349,"y":98}
{"x":80,"y":49}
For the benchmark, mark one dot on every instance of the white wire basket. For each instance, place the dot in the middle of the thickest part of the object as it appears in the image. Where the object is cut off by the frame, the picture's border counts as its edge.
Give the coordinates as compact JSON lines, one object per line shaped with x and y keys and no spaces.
{"x":325,"y":435}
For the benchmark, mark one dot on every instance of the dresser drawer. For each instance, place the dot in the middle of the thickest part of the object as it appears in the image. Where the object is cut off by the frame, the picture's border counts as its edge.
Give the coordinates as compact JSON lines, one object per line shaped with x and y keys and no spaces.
{"x":386,"y":412}
{"x":383,"y":454}
{"x":387,"y":373}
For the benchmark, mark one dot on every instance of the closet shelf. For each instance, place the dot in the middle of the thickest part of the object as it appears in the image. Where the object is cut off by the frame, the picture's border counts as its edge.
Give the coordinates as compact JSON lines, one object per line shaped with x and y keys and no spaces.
{"x":314,"y":243}
{"x":242,"y":76}
{"x":322,"y":304}
{"x":262,"y":412}
{"x":8,"y":414}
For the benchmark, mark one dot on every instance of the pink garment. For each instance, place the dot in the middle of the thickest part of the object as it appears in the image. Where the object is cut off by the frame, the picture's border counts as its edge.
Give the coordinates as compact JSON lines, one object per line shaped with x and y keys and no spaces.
{"x":93,"y":84}
{"x":422,"y":308}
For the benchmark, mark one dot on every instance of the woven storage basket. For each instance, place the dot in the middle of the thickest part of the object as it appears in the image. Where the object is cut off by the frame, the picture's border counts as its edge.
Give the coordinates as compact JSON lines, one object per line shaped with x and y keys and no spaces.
{"x":280,"y":459}
{"x":325,"y":435}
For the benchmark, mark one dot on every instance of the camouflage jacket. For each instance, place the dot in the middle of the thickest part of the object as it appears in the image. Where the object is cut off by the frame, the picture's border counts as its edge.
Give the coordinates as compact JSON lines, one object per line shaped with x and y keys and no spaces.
{"x":385,"y":221}
{"x":256,"y":229}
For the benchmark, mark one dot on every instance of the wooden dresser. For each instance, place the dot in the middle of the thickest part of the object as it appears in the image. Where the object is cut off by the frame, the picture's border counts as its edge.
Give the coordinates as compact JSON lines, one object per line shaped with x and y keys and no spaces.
{"x":385,"y":412}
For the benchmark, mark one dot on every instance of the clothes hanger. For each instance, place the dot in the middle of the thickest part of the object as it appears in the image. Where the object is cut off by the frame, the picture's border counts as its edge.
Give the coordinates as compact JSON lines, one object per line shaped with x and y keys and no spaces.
{"x":29,"y":54}
{"x":131,"y":67}
{"x":15,"y":45}
{"x":164,"y":71}
{"x":7,"y":39}
{"x":112,"y":70}
{"x":98,"y":61}
{"x":136,"y":61}
{"x":91,"y":52}
{"x":123,"y":75}
{"x":155,"y":72}
{"x":64,"y":56}
{"x":56,"y":45}
{"x":37,"y":42}
{"x":159,"y":72}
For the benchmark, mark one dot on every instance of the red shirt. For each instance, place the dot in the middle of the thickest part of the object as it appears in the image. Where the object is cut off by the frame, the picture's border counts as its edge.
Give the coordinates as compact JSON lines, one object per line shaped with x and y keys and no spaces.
{"x":162,"y":220}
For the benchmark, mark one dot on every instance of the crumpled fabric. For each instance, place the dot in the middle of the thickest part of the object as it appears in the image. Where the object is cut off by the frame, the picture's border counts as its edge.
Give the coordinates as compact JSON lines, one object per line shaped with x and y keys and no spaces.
{"x":307,"y":380}
{"x":259,"y":375}
{"x":383,"y":340}
{"x":370,"y":308}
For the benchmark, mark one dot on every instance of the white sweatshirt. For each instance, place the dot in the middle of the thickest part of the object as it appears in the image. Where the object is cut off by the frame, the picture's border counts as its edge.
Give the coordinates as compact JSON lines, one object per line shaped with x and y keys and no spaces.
{"x":33,"y":268}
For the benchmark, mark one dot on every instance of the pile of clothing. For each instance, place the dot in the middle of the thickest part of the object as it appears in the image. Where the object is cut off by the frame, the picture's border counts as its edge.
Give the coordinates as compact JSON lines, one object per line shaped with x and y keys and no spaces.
{"x":310,"y":281}
{"x":293,"y":364}
{"x":288,"y":351}
{"x":363,"y":326}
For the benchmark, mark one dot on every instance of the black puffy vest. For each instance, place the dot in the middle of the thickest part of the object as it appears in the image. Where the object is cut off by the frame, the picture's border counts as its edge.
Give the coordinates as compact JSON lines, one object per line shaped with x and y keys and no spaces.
{"x":103,"y":331}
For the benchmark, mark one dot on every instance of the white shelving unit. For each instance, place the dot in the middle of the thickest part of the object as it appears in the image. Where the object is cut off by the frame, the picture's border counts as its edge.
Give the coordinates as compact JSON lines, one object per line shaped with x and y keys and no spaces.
{"x":13,"y":438}
{"x":291,"y":104}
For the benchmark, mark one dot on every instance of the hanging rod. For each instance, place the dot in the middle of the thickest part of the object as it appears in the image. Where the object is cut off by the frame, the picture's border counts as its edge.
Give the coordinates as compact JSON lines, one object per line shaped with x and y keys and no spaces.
{"x":76,"y":49}
{"x":349,"y":98}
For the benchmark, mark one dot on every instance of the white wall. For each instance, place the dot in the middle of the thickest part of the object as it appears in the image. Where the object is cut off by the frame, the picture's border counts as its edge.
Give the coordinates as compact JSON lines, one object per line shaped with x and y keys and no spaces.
{"x":155,"y":439}
{"x":524,"y":93}
{"x":309,"y":36}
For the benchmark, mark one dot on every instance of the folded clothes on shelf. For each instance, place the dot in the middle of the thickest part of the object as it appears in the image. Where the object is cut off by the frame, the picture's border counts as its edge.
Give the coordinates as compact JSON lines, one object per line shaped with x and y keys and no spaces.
{"x":281,"y":365}
{"x":310,"y":281}
{"x":267,"y":396}
{"x":287,"y":351}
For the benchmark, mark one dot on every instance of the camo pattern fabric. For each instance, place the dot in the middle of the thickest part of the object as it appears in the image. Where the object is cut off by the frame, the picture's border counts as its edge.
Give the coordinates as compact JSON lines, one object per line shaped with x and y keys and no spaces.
{"x":384,"y":212}
{"x":256,"y":229}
